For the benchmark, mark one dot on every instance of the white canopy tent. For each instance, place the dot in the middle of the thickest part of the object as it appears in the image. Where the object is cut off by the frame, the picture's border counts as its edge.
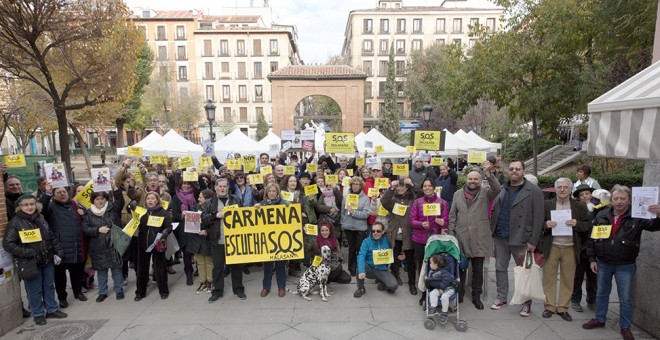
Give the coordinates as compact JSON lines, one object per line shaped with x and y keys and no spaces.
{"x":625,"y":121}
{"x":392,"y":150}
{"x":493,"y":146}
{"x":237,"y":142}
{"x":173,"y":145}
{"x":268,"y":141}
{"x":152,"y":138}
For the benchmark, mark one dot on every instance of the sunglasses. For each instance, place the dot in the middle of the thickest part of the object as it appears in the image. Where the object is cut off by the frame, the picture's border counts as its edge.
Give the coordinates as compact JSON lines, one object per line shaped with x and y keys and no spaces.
{"x":376,"y":231}
{"x":515,"y":168}
{"x":240,"y":177}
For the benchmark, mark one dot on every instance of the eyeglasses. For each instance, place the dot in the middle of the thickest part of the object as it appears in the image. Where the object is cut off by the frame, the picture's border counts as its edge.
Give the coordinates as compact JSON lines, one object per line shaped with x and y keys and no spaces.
{"x":376,"y":231}
{"x":515,"y":168}
{"x":28,"y":204}
{"x":240,"y":177}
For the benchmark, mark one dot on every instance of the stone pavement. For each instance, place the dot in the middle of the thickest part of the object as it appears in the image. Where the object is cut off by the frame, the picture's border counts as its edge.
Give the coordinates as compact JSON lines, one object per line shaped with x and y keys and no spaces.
{"x":377,"y":315}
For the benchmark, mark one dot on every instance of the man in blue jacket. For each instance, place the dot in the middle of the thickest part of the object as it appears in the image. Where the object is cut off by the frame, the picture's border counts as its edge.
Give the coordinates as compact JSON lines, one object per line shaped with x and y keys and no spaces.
{"x":366,"y":267}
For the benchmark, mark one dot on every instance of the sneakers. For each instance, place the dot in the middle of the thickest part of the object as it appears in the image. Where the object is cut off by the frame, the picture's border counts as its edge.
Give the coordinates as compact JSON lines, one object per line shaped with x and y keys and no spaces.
{"x":381,"y":286}
{"x":359,"y":292}
{"x":215,"y":297}
{"x":241,"y":295}
{"x":40,"y":320}
{"x":201,"y":289}
{"x":209,"y":288}
{"x":56,"y":315}
{"x":593,"y":323}
{"x":120,"y":296}
{"x":526,"y":309}
{"x":81,"y":297}
{"x":413,"y":289}
{"x":442,"y":319}
{"x":627,"y":334}
{"x":591,"y":306}
{"x":498,"y":304}
{"x":64,"y":303}
{"x":101,"y":297}
{"x":577,"y":307}
{"x":432,"y":311}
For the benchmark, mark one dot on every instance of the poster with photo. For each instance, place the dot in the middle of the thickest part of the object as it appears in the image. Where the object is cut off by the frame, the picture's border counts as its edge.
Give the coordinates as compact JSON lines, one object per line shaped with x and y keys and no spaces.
{"x":642,"y":198}
{"x":297,"y":140}
{"x":102,"y":179}
{"x":56,"y":174}
{"x":193,"y":221}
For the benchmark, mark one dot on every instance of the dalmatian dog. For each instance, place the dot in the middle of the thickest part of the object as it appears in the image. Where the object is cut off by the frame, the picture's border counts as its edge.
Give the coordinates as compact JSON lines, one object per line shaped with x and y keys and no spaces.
{"x":316,"y":275}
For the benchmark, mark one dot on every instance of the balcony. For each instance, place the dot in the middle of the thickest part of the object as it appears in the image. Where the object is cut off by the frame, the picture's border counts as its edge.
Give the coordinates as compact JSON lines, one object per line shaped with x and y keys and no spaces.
{"x":224,"y":53}
{"x":367,"y":53}
{"x":226,"y":100}
{"x":274,"y":53}
{"x":161,"y":37}
{"x":400,"y":51}
{"x":180,"y":37}
{"x":181,"y":57}
{"x":208,"y":77}
{"x":383,"y":52}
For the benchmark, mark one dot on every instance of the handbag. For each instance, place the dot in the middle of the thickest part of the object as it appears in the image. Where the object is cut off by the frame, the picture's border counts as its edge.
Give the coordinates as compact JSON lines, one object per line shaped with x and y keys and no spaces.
{"x":27,"y":269}
{"x":161,"y":246}
{"x":528,"y":281}
{"x":120,"y":240}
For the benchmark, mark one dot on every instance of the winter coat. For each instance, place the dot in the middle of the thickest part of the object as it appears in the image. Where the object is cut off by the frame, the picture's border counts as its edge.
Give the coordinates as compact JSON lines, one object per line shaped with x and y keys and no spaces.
{"x":396,"y":222}
{"x":419,"y":234}
{"x":526,"y":216}
{"x":103,"y":253}
{"x":623,"y":247}
{"x":366,"y":257}
{"x":198,"y":244}
{"x":448,"y":184}
{"x":419,"y":175}
{"x":211,"y":223}
{"x":471,"y":225}
{"x":177,"y":217}
{"x":580,"y":213}
{"x":357,"y":220}
{"x":66,"y":223}
{"x":43,"y":251}
{"x":147,"y":234}
{"x":440,"y":279}
{"x":368,"y":184}
{"x":246,"y":197}
{"x":323,"y":210}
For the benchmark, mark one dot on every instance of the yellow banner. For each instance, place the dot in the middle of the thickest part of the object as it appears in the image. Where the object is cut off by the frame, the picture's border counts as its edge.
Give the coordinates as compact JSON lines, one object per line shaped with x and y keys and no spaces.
{"x":601,"y":232}
{"x":270,"y":233}
{"x":233,"y":164}
{"x":15,"y":161}
{"x":256,"y":179}
{"x":359,"y":162}
{"x":383,"y":256}
{"x":379,"y":148}
{"x":437,"y":161}
{"x":400,"y":169}
{"x":311,"y":167}
{"x":427,"y":140}
{"x":331,"y":179}
{"x":476,"y":156}
{"x":431,"y":209}
{"x":289,"y":170}
{"x":132,"y":225}
{"x":30,"y":236}
{"x":134,"y":151}
{"x":265,"y":170}
{"x":311,"y":229}
{"x":411,"y":149}
{"x":311,"y":190}
{"x":249,"y":163}
{"x":382,"y":183}
{"x":84,"y":197}
{"x":155,"y":221}
{"x":190,"y":176}
{"x":340,"y":142}
{"x":205,"y":161}
{"x":373,"y":192}
{"x":186,"y":162}
{"x":399,"y":209}
{"x":352,"y":201}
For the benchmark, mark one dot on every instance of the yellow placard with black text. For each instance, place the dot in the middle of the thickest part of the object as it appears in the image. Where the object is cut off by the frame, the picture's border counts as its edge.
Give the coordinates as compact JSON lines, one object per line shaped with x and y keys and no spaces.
{"x":352,"y":201}
{"x":134,"y":151}
{"x":373,"y":192}
{"x":84,"y":197}
{"x":400,"y":169}
{"x":411,"y":149}
{"x":270,"y":233}
{"x":331,"y":179}
{"x":311,"y":190}
{"x":340,"y":142}
{"x":15,"y":161}
{"x":233,"y":164}
{"x":155,"y":221}
{"x":399,"y":209}
{"x":383,"y":256}
{"x":186,"y":162}
{"x":436,"y":161}
{"x":382,"y":183}
{"x":249,"y":163}
{"x":475,"y":156}
{"x":311,"y":229}
{"x":360,"y":161}
{"x":601,"y":232}
{"x":30,"y":236}
{"x":190,"y":176}
{"x":379,"y":148}
{"x":256,"y":179}
{"x":311,"y":167}
{"x":431,"y":209}
{"x":266,"y":170}
{"x":427,"y":140}
{"x":205,"y":161}
{"x":289,"y":170}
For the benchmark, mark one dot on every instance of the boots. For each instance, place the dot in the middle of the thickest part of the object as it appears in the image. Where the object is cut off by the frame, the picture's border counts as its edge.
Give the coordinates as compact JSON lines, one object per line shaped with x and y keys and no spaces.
{"x":476,"y":300}
{"x":398,"y":279}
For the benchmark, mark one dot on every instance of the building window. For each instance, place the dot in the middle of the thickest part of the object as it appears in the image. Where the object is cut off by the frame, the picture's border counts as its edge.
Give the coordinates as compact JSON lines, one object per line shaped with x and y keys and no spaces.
{"x":256,"y":47}
{"x":401,"y":26}
{"x":474,"y":23}
{"x":401,"y":111}
{"x":226,"y":93}
{"x":367,"y":46}
{"x":400,"y":47}
{"x":382,"y":68}
{"x":381,"y":89}
{"x":160,"y":33}
{"x":162,"y":52}
{"x":209,"y":92}
{"x":208,"y":70}
{"x":381,"y":108}
{"x":226,"y":113}
{"x":490,"y":24}
{"x":367,"y":26}
{"x":224,"y":48}
{"x":274,"y":49}
{"x":439,"y":25}
{"x":417,"y":25}
{"x":457,"y":41}
{"x":458,"y":26}
{"x":399,"y":89}
{"x":208,"y":48}
{"x":417,"y":45}
{"x":382,"y":47}
{"x":240,"y":48}
{"x":367,"y":110}
{"x":181,"y":53}
{"x":258,"y":93}
{"x":384,"y":26}
{"x":243,"y":113}
{"x":143,"y":29}
{"x":400,"y":68}
{"x":242,"y":73}
{"x":242,"y":93}
{"x":183,"y":73}
{"x":366,"y":67}
{"x":257,"y":70}
{"x":273,"y":66}
{"x":440,"y":42}
{"x":367,"y":90}
{"x":180,"y":33}
{"x":258,"y":111}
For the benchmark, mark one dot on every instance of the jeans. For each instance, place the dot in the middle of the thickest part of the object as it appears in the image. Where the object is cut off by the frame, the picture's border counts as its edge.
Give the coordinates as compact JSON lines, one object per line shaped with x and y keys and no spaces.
{"x":280,"y":274}
{"x":41,"y":290}
{"x":503,"y":254}
{"x":380,"y":275}
{"x":623,"y":274}
{"x":117,"y":280}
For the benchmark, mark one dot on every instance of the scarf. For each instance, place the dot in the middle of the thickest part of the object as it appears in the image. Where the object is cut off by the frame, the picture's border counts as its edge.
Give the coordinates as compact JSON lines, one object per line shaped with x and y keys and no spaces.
{"x":155,"y":208}
{"x":277,"y":200}
{"x":187,"y":199}
{"x":35,"y":219}
{"x":99,"y":212}
{"x":469,"y":195}
{"x":331,"y":242}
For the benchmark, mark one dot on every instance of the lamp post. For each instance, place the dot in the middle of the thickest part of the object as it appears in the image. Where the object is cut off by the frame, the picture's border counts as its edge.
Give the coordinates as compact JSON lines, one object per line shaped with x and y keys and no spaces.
{"x":210,"y":116}
{"x":427,"y":109}
{"x":190,"y":132}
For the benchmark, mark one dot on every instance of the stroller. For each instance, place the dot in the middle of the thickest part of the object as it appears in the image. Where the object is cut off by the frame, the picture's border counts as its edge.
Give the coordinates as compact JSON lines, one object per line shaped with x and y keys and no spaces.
{"x":447,"y":245}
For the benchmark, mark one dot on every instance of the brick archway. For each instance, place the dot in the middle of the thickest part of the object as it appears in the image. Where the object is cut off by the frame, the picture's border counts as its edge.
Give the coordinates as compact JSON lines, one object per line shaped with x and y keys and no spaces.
{"x":343,"y":84}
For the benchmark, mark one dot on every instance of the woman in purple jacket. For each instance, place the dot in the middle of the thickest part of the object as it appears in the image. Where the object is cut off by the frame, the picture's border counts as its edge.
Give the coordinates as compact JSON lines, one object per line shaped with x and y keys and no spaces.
{"x":425,"y":226}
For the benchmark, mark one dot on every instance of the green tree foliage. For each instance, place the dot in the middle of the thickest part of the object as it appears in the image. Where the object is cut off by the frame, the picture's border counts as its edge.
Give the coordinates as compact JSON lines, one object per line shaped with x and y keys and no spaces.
{"x":262,"y":126}
{"x":131,"y":114}
{"x":389,"y":122}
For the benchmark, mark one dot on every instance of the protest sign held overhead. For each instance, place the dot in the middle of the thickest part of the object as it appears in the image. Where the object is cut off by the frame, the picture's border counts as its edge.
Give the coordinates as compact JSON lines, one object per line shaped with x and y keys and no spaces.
{"x":101,"y":179}
{"x":84,"y":197}
{"x":249,"y":163}
{"x":15,"y":161}
{"x":340,"y":142}
{"x":56,"y":175}
{"x":429,"y":140}
{"x":297,"y":140}
{"x":134,"y":151}
{"x":270,"y":233}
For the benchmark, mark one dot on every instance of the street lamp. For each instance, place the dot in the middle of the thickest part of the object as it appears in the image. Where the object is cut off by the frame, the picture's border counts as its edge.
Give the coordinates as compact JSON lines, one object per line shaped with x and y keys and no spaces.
{"x":210,"y":116}
{"x":427,"y":109}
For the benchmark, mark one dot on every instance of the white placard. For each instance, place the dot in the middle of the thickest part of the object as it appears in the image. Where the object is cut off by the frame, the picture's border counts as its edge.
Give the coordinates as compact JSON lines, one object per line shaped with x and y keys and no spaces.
{"x":102,"y":179}
{"x":56,"y":175}
{"x":368,"y":144}
{"x":371,"y":161}
{"x":561,"y":216}
{"x":209,"y":148}
{"x":642,"y":197}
